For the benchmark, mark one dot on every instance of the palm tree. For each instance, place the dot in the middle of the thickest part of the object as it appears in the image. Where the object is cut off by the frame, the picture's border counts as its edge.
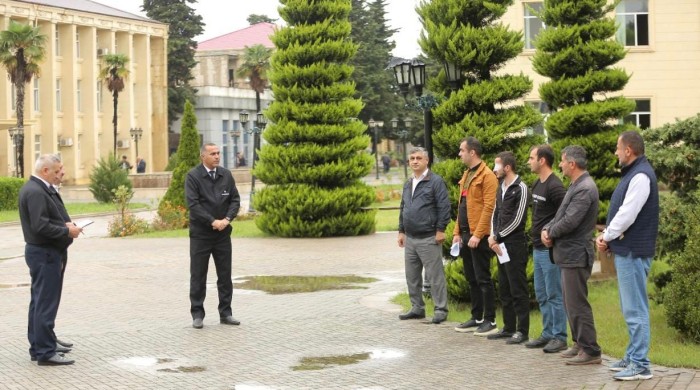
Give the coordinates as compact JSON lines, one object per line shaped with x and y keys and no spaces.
{"x":21,"y":50}
{"x":113,"y":73}
{"x":255,"y":65}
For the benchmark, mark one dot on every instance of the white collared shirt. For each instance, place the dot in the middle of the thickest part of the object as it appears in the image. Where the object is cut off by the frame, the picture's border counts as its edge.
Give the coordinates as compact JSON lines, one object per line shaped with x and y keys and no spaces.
{"x":417,"y":180}
{"x":635,"y":198}
{"x":46,"y":183}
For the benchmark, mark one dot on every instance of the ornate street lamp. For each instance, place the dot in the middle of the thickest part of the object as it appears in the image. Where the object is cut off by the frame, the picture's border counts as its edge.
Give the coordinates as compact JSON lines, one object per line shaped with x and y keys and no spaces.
{"x":136,"y":134}
{"x":453,"y":73}
{"x":375,"y":125}
{"x":17,"y":137}
{"x":257,"y":129}
{"x":403,"y":134}
{"x":234,"y":137}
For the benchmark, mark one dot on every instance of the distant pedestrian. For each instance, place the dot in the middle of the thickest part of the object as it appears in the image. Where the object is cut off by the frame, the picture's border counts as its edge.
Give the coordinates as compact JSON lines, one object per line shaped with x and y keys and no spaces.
{"x":240,"y":160}
{"x":423,"y":217}
{"x":124,"y":164}
{"x":140,"y":165}
{"x":386,"y":163}
{"x":213,"y":201}
{"x":547,"y":194}
{"x":48,"y":233}
{"x":570,"y":235}
{"x":632,"y":228}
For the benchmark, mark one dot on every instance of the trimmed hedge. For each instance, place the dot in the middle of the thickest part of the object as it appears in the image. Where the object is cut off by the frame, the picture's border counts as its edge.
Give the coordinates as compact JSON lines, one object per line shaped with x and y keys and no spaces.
{"x":9,"y":192}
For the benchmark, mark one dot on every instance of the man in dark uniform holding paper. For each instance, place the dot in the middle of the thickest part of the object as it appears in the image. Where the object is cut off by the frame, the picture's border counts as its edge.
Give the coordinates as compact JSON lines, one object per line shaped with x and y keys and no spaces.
{"x":213,"y":201}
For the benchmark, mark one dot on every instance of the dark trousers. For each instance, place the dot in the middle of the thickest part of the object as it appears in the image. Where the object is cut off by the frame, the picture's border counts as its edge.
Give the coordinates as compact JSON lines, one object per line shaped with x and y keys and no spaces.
{"x":512,"y":288}
{"x":45,"y":270}
{"x":64,"y":263}
{"x":219,"y":247}
{"x":477,"y":270}
{"x":578,"y":310}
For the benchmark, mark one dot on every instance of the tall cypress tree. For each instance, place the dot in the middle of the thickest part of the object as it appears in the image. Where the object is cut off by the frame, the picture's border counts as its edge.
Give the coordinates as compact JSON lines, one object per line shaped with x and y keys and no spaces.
{"x":577,"y":51}
{"x":467,"y":33}
{"x":313,"y":162}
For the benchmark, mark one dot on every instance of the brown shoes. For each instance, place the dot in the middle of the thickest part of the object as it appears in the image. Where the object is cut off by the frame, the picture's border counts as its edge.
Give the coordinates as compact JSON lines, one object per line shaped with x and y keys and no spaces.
{"x":583,"y":359}
{"x":571,"y":352}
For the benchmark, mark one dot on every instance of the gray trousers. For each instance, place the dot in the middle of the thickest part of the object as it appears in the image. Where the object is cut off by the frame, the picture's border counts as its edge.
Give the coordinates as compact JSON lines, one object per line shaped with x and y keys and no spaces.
{"x":420,"y":253}
{"x":575,"y":292}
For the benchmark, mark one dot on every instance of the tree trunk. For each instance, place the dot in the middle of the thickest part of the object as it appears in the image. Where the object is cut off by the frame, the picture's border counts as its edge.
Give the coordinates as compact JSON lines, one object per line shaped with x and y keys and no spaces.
{"x":115,"y":94}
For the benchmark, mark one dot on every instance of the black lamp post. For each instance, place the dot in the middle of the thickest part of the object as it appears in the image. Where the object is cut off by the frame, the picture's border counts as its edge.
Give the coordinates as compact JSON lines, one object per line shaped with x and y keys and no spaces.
{"x":17,"y":137}
{"x":136,"y":134}
{"x":375,"y":125}
{"x":257,"y":129}
{"x":403,"y":134}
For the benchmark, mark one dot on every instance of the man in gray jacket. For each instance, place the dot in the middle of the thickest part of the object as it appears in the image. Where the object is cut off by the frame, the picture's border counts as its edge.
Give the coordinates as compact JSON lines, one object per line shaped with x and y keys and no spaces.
{"x":570,"y":233}
{"x":424,"y":215}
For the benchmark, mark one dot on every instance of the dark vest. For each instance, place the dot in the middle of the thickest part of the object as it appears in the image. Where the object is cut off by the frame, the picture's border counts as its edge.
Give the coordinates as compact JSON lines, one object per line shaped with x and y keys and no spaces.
{"x":640,"y":237}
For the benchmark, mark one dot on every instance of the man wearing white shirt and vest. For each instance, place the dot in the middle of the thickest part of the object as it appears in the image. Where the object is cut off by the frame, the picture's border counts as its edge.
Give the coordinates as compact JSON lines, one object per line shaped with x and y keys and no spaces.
{"x":632,"y":228}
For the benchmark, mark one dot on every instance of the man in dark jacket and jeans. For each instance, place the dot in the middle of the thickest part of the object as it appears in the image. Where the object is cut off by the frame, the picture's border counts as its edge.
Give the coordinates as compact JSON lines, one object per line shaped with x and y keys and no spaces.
{"x":508,"y":231}
{"x":424,"y":215}
{"x":213,"y":200}
{"x":570,"y":233}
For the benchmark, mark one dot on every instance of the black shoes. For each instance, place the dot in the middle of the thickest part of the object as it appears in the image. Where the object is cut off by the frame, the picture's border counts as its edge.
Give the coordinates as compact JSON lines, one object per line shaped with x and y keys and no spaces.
{"x":501,"y":334}
{"x":198,"y":323}
{"x":411,"y":316}
{"x":61,"y":349}
{"x":469,"y":326}
{"x":64,"y":343}
{"x":439,"y":317}
{"x":517,"y":338}
{"x":229,"y":321}
{"x":56,"y":360}
{"x":555,"y":345}
{"x":539,"y":342}
{"x":486,"y":329}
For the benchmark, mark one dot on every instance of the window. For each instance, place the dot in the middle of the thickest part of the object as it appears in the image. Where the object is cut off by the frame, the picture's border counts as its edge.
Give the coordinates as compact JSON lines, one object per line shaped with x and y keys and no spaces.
{"x":77,"y":149}
{"x":77,"y":44}
{"x":230,"y":78}
{"x":57,"y":45}
{"x":78,"y":99}
{"x":533,"y":24}
{"x":58,"y":95}
{"x":544,"y":110}
{"x":98,"y":94}
{"x":37,"y":147}
{"x":641,"y":116}
{"x":633,"y":22}
{"x":36,"y":94}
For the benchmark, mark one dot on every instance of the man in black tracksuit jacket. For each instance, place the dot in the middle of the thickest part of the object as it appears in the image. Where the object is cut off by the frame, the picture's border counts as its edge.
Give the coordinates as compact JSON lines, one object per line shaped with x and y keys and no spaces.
{"x":508,"y":228}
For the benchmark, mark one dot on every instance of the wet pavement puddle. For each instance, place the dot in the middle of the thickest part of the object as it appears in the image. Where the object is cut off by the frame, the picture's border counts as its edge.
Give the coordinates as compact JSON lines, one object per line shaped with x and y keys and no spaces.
{"x":323,"y":362}
{"x":158,"y":365}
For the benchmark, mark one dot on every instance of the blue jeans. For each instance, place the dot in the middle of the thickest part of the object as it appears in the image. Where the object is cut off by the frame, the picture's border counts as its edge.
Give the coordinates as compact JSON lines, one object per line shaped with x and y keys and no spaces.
{"x":632,"y":280}
{"x":549,"y":295}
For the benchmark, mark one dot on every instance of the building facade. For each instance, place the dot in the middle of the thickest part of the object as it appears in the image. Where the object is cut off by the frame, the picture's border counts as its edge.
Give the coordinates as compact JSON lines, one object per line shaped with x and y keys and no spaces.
{"x":222,"y":93}
{"x":663,"y":43}
{"x":68,"y":110}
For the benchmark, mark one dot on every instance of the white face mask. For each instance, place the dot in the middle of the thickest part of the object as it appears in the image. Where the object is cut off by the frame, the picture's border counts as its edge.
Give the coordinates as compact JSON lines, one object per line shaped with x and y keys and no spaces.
{"x":497,"y":167}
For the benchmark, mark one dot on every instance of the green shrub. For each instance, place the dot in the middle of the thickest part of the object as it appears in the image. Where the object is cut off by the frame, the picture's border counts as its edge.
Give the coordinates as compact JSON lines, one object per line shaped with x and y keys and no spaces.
{"x":106,"y":177}
{"x":674,"y":227}
{"x":660,"y":275}
{"x":9,"y":192}
{"x":682,"y":295}
{"x":125,"y":223}
{"x":172,"y":162}
{"x":171,"y":217}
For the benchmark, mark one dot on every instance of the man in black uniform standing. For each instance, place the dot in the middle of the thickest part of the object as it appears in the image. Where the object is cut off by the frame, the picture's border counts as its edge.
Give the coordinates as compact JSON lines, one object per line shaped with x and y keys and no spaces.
{"x":47,"y":234}
{"x":213,"y":201}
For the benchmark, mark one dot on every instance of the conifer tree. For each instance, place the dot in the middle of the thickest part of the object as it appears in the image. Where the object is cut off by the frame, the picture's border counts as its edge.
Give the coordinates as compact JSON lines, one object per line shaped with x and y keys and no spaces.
{"x":313,"y":163}
{"x":188,"y":158}
{"x":467,"y":33}
{"x":577,"y":52}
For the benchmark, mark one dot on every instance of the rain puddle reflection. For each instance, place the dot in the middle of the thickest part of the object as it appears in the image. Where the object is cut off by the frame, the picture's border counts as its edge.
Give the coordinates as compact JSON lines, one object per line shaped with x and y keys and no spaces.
{"x":323,"y":362}
{"x":161,"y":365}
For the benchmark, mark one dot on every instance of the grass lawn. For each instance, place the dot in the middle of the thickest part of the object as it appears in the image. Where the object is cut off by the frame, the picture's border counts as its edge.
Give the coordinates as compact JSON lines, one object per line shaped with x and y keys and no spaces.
{"x":667,"y":347}
{"x":74,"y":209}
{"x":300,"y":284}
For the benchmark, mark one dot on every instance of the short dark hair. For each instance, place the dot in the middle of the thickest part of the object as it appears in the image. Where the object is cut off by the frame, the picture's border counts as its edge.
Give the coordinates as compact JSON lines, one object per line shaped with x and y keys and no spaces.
{"x":546,"y":152}
{"x":634,"y":141}
{"x":577,"y":154}
{"x":507,"y":158}
{"x":473,"y":144}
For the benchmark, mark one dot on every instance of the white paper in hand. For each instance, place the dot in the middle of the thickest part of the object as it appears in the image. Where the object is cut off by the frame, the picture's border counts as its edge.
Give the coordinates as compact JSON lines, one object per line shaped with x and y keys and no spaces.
{"x":454,"y":251}
{"x":503,"y":257}
{"x":83,"y":222}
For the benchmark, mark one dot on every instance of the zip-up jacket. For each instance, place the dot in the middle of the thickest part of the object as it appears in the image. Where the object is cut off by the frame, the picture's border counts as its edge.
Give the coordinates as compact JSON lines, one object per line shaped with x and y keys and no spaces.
{"x":210,"y":199}
{"x":426,"y":210}
{"x":481,"y":199}
{"x":508,"y":223}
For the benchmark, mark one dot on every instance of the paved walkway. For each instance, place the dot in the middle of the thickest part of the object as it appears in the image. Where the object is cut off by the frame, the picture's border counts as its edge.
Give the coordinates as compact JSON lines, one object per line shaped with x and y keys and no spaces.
{"x":126,"y":308}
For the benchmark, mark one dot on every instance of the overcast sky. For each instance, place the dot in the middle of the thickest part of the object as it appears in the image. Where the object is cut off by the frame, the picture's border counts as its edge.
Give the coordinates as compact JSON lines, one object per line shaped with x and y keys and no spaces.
{"x":224,"y":16}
